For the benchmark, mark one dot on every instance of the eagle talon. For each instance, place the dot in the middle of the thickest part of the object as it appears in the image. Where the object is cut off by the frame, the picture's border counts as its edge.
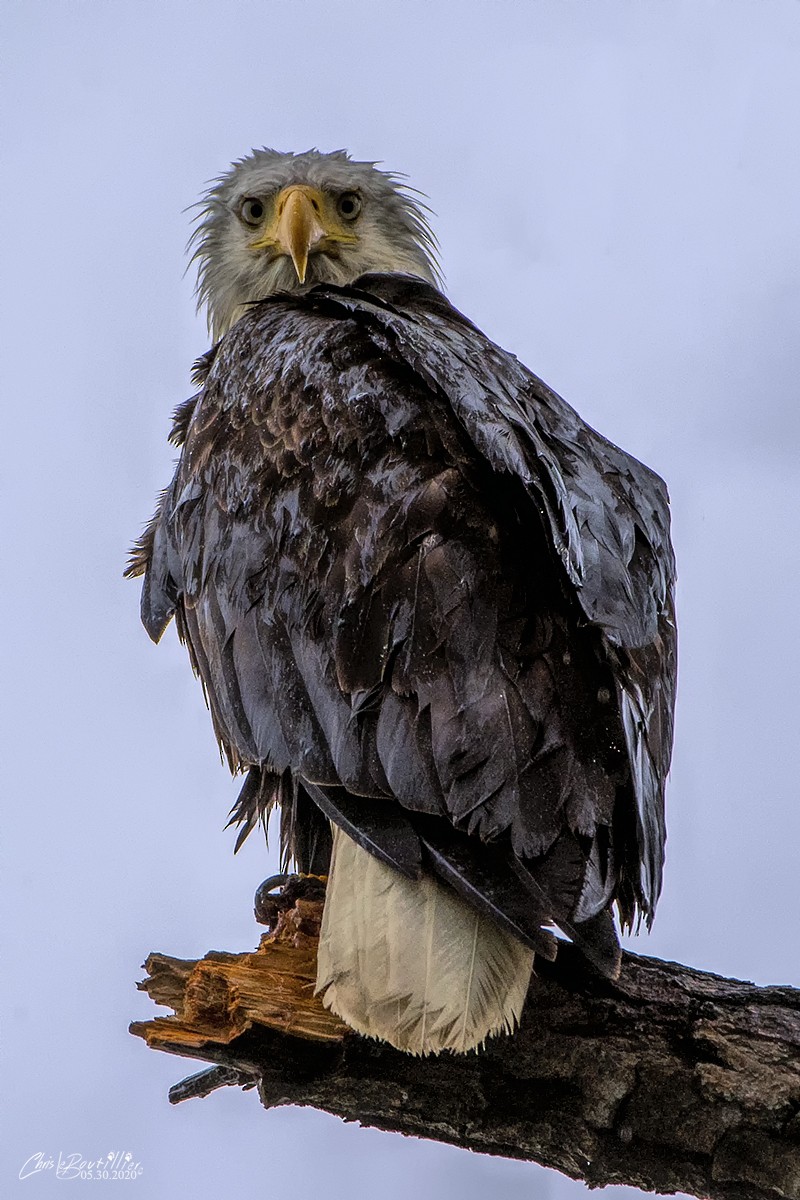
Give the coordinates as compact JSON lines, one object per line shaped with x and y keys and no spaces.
{"x":270,"y":902}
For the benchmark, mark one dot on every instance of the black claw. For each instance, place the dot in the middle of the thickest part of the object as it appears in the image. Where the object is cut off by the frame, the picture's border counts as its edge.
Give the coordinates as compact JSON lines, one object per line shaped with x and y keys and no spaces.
{"x":270,"y":903}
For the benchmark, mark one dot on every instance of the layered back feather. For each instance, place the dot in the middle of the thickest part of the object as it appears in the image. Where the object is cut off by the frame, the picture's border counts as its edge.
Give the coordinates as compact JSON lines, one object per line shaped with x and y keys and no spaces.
{"x":412,"y":579}
{"x":407,"y":961}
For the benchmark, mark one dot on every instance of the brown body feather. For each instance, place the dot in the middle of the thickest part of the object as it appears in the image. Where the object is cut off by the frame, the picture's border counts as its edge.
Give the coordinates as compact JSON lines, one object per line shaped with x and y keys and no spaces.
{"x":405,"y":569}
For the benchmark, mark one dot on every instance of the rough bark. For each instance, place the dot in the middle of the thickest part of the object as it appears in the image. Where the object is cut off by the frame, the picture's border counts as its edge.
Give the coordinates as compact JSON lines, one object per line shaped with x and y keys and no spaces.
{"x":669,"y":1080}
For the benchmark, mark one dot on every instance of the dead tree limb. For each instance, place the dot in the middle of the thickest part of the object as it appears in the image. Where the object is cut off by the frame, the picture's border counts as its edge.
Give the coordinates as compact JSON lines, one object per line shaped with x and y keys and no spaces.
{"x":670,"y":1079}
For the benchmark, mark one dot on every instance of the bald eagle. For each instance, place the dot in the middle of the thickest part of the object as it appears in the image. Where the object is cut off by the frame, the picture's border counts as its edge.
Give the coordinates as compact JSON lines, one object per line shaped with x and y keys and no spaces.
{"x":431,"y":608}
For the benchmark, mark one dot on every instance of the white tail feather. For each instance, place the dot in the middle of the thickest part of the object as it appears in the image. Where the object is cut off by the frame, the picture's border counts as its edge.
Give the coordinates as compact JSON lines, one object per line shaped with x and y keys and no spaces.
{"x":410,"y":962}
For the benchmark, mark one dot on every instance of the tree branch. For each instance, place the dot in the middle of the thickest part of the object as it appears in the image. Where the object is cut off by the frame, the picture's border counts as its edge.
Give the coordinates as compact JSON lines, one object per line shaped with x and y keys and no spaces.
{"x":670,"y":1079}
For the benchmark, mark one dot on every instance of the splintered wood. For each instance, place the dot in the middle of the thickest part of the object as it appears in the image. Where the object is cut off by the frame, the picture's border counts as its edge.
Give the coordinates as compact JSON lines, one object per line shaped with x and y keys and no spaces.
{"x":667,"y":1079}
{"x":222,"y":996}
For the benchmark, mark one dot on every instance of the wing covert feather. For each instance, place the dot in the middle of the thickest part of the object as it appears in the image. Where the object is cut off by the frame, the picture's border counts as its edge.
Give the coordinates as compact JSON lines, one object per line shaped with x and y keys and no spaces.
{"x":406,"y":568}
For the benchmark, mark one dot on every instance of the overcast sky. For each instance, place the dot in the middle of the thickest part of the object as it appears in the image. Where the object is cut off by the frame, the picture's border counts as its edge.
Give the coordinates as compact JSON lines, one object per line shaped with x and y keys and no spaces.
{"x":616,"y":189}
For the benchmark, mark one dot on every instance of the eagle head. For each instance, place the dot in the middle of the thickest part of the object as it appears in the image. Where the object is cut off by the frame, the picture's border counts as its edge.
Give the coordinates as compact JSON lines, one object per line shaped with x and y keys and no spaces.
{"x":281,"y":222}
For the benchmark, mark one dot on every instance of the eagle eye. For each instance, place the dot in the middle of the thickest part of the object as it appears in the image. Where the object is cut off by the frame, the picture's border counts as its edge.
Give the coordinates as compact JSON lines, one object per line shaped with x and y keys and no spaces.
{"x":252,"y":210}
{"x":349,"y":205}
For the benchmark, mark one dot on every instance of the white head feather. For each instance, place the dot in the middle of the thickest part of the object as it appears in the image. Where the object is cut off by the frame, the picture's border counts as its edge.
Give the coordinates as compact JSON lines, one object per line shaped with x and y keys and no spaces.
{"x":391,"y":231}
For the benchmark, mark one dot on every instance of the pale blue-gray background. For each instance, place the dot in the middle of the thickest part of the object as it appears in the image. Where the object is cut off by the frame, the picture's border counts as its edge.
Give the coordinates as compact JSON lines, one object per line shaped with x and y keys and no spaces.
{"x":617,"y":195}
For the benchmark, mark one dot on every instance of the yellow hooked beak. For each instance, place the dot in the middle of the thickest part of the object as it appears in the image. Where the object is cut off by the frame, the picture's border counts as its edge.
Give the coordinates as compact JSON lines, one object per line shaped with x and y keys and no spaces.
{"x":300,"y":225}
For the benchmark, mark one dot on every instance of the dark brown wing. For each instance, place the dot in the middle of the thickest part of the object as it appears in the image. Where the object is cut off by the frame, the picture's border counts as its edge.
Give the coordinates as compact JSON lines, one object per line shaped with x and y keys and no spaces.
{"x":417,"y":585}
{"x":606,"y":516}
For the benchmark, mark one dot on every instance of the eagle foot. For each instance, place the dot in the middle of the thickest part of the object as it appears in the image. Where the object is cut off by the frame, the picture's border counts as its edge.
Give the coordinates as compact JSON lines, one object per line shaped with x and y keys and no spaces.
{"x":281,"y":892}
